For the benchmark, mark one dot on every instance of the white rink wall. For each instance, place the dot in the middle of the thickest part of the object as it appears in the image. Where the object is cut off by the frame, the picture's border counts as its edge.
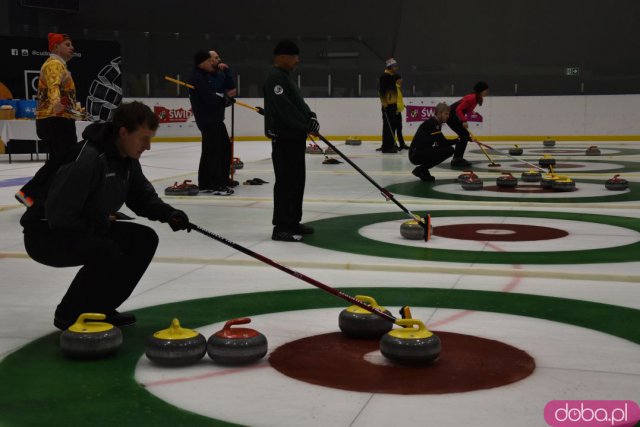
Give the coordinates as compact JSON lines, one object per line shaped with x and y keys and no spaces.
{"x":588,"y":115}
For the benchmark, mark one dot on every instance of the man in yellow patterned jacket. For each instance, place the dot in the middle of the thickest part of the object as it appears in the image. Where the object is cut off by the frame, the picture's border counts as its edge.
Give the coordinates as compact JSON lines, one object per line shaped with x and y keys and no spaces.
{"x":55,"y":114}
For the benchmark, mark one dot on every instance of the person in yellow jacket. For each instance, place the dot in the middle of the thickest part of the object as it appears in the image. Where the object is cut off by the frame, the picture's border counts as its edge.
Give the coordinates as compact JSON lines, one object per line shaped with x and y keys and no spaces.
{"x":56,"y":114}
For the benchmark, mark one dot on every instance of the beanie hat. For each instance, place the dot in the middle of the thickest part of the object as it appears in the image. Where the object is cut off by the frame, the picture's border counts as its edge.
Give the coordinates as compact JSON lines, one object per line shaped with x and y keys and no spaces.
{"x":56,"y":39}
{"x":391,"y":63}
{"x":286,"y":47}
{"x":201,"y":56}
{"x":480,"y":86}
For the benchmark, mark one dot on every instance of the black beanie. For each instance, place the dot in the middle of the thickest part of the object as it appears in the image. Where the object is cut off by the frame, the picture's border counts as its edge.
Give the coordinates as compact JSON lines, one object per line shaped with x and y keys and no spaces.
{"x":480,"y":86}
{"x":286,"y":47}
{"x":201,"y":56}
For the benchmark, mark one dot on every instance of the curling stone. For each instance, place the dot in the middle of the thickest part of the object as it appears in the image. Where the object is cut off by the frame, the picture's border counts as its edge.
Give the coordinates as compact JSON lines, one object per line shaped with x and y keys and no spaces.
{"x":176,"y":346}
{"x":184,"y":189}
{"x":549,"y":142}
{"x":411,"y":230}
{"x":413,"y":343}
{"x":563,"y":183}
{"x":616,"y":184}
{"x":357,"y":322}
{"x":592,"y":151}
{"x":546,"y":160}
{"x":90,"y":340}
{"x":464,"y":176}
{"x":313,"y":149}
{"x":516,"y":150}
{"x":531,"y":175}
{"x":236,"y":346}
{"x":237,"y":163}
{"x":546,"y":181}
{"x":329,"y":151}
{"x":472,"y":184}
{"x":506,"y":180}
{"x":353,"y":141}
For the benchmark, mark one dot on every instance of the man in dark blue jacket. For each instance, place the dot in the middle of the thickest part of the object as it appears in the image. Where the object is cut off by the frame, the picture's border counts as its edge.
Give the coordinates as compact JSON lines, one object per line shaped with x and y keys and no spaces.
{"x":208,"y":108}
{"x":78,"y":223}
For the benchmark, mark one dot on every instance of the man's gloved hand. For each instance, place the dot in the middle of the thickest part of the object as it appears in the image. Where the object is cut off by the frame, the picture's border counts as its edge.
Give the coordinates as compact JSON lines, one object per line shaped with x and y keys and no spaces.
{"x":260,"y":110}
{"x":179,"y":220}
{"x":314,"y":125}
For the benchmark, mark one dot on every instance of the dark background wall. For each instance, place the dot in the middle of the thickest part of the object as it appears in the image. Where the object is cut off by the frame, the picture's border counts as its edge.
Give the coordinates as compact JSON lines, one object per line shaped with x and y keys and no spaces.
{"x":443,"y":47}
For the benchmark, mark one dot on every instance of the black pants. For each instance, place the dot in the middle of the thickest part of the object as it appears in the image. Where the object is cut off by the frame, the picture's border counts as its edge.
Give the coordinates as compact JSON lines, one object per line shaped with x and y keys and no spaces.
{"x":389,"y":124}
{"x":112,"y":264}
{"x":289,"y":166}
{"x":463,"y":134}
{"x":215,"y":158}
{"x":428,"y":157}
{"x":398,"y":128}
{"x":59,"y":134}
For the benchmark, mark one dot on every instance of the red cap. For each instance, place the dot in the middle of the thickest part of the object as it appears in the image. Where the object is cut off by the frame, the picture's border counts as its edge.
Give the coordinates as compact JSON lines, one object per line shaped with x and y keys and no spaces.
{"x":55,"y":39}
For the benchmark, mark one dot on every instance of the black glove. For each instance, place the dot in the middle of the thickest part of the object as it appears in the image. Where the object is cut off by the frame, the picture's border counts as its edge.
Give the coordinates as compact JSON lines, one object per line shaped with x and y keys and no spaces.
{"x":179,"y":220}
{"x":260,"y":110}
{"x":314,"y":126}
{"x":228,"y":100}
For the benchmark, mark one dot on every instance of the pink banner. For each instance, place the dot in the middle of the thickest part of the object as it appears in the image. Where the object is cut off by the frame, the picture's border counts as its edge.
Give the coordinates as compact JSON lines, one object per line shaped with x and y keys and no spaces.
{"x":420,"y":113}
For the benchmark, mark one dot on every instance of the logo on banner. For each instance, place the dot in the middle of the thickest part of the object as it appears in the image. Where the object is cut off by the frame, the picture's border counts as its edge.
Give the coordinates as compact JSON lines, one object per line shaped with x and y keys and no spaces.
{"x":420,"y":113}
{"x":14,"y":52}
{"x":25,"y":52}
{"x":172,"y":115}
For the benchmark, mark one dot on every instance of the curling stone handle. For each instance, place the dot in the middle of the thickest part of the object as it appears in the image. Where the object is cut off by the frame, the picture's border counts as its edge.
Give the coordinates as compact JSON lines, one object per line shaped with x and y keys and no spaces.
{"x":238,"y":321}
{"x":368,"y":300}
{"x":90,"y":316}
{"x":410,"y":323}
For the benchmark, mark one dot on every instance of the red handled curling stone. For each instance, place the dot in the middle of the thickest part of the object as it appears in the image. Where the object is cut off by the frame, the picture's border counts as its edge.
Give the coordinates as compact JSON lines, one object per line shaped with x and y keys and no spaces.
{"x":531,"y":175}
{"x":411,"y":344}
{"x":592,"y":151}
{"x":329,"y":151}
{"x":506,"y":180}
{"x":313,"y":149}
{"x":176,"y":346}
{"x":236,"y":346}
{"x":616,"y":184}
{"x":357,"y":322}
{"x":237,"y":163}
{"x":546,"y":161}
{"x":472,"y":184}
{"x":549,"y":143}
{"x":464,"y":176}
{"x":90,"y":340}
{"x":516,"y":150}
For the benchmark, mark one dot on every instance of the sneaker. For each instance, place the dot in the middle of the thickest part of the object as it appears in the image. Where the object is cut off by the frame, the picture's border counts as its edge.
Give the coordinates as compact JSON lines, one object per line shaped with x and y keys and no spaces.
{"x":222,"y":192}
{"x":460,"y":162}
{"x":304,"y":229}
{"x":390,"y":150}
{"x":424,"y":175}
{"x":379,"y":149}
{"x":286,"y":236}
{"x":24,"y":199}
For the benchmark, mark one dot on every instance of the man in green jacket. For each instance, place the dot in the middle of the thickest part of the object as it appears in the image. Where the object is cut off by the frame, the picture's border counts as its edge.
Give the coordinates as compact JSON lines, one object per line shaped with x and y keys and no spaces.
{"x":287,"y":120}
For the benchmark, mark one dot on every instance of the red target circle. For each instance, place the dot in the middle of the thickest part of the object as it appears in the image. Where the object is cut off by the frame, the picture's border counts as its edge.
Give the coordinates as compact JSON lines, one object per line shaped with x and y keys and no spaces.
{"x":498,"y":232}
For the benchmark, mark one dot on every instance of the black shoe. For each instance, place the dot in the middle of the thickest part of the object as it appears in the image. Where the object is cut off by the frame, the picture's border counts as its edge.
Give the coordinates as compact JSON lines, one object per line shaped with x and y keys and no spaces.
{"x":232,"y":183}
{"x":379,"y":149}
{"x":424,"y":175}
{"x":403,"y":147}
{"x":390,"y":150}
{"x":286,"y":236}
{"x":460,"y":162}
{"x":304,"y":229}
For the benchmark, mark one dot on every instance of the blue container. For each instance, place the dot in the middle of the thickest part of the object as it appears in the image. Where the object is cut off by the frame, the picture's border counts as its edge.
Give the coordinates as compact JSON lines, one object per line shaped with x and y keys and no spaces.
{"x":26,"y":109}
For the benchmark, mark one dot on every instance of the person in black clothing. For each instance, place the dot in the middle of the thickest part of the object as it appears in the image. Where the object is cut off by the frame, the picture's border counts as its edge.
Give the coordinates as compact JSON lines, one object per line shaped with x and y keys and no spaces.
{"x":388,"y":92}
{"x":429,"y":147}
{"x":287,"y":121}
{"x":78,"y":223}
{"x":208,"y":108}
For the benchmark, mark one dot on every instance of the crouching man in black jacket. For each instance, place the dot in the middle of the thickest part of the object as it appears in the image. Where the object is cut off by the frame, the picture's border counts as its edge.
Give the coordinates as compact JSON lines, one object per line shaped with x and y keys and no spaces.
{"x":429,"y":146}
{"x":78,"y":225}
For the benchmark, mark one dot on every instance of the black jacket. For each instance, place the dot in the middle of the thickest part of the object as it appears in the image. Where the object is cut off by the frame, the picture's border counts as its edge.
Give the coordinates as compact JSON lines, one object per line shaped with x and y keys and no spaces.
{"x":207,"y":105}
{"x":94,"y":183}
{"x":429,"y":135}
{"x":285,"y":112}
